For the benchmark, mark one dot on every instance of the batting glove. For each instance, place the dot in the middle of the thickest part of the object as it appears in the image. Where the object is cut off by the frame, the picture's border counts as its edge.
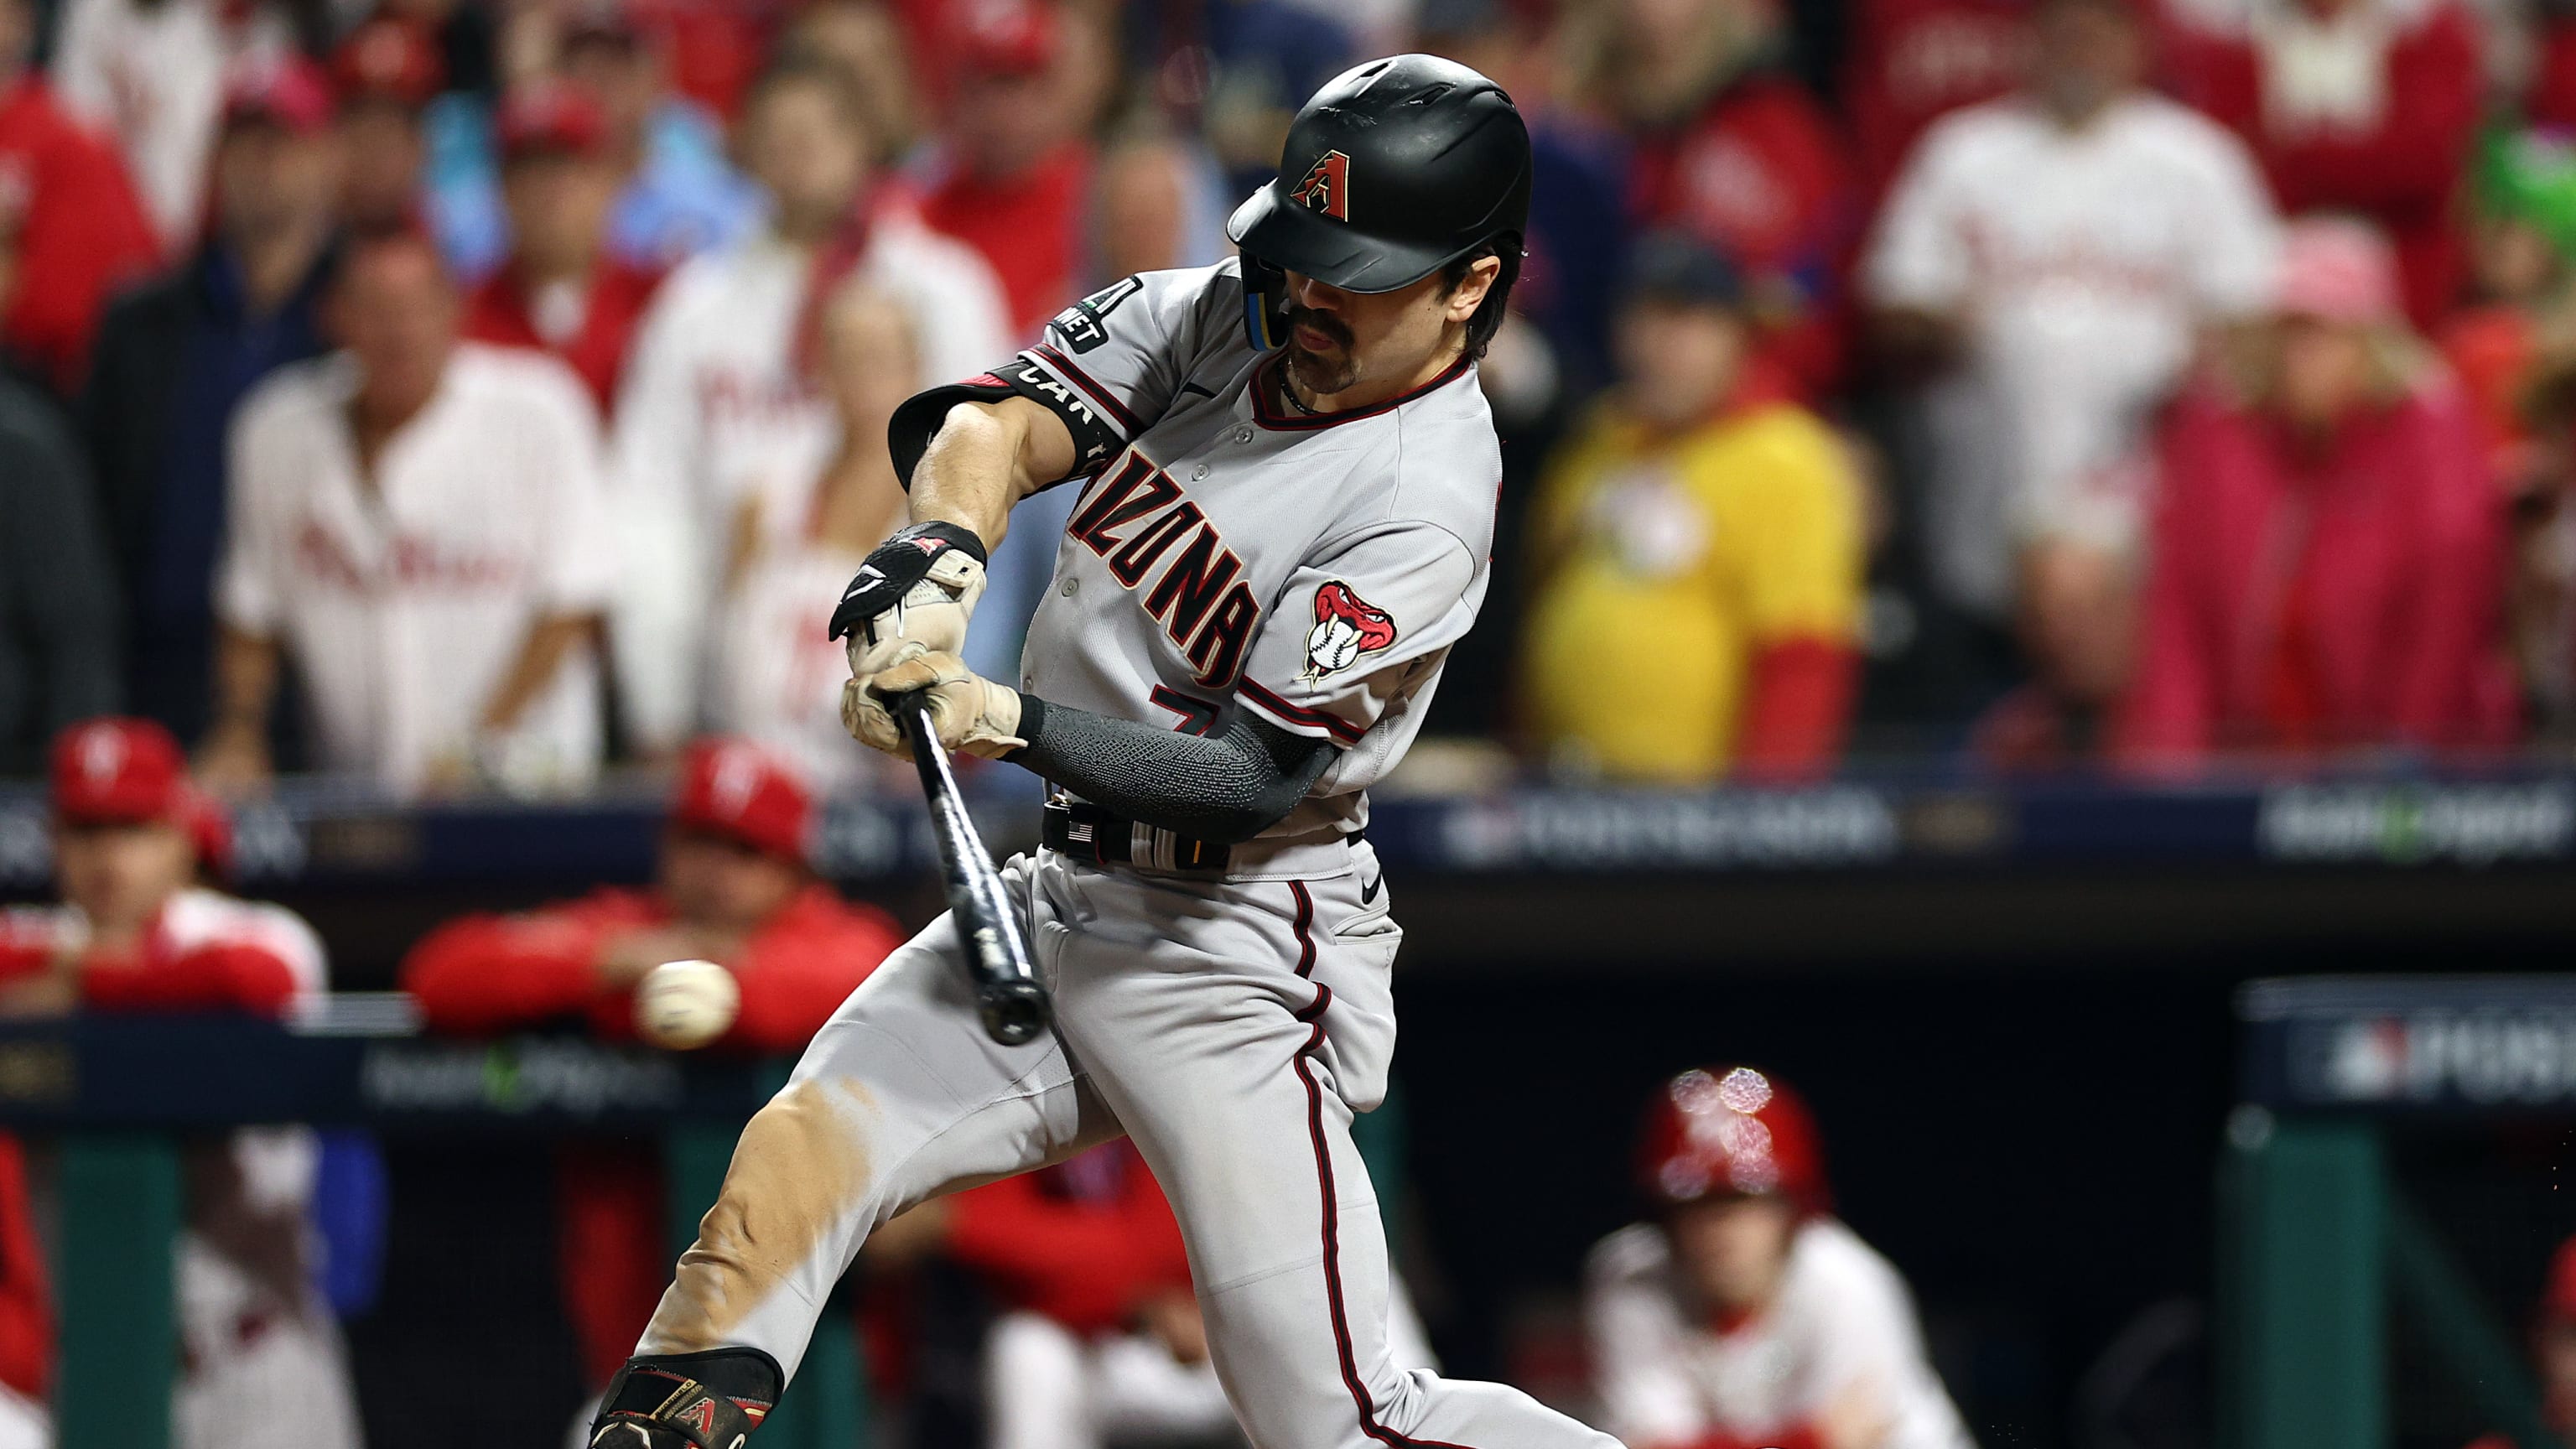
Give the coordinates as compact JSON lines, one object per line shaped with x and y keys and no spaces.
{"x":913,"y":595}
{"x":967,"y":711}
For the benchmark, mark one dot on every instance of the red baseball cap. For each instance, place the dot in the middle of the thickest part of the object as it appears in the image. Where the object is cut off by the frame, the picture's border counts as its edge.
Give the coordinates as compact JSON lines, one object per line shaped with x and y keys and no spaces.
{"x":738,"y":790}
{"x":389,"y":59}
{"x":551,"y":116}
{"x":291,"y":92}
{"x":119,"y":772}
{"x":1010,"y":37}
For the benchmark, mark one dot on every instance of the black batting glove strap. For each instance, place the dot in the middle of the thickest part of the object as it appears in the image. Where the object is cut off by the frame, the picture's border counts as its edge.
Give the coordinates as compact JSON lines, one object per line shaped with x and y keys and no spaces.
{"x":895,"y":566}
{"x":710,"y":1400}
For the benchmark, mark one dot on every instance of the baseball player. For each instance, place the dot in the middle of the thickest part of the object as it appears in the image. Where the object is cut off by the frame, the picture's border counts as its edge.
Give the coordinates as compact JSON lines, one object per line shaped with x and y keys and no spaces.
{"x":1274,"y":549}
{"x":1745,"y":1314}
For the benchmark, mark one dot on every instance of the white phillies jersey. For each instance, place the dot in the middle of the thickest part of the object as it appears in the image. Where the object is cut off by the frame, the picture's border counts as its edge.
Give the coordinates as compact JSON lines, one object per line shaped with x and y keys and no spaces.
{"x":713,"y":396}
{"x":1228,"y":552}
{"x":404,"y":604}
{"x":1843,"y":1325}
{"x":2082,"y":264}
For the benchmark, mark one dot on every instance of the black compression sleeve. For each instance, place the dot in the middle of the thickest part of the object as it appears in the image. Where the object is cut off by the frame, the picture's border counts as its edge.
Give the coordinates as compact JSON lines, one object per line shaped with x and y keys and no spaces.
{"x":1228,"y":787}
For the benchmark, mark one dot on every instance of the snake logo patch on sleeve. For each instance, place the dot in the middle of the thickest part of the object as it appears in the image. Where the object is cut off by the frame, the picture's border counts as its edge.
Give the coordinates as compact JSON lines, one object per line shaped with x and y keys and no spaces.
{"x":1346,"y":627}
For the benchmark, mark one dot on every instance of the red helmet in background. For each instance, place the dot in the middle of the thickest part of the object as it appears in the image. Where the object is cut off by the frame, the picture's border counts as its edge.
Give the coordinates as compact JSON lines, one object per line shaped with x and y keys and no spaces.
{"x":1731,"y":1132}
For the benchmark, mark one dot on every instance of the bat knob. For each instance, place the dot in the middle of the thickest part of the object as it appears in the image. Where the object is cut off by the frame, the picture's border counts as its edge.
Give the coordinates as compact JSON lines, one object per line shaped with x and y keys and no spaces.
{"x":1015,"y":1013}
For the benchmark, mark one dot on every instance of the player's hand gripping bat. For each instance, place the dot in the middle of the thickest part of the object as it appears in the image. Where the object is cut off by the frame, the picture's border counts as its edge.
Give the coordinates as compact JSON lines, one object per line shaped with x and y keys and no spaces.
{"x":1008,"y":995}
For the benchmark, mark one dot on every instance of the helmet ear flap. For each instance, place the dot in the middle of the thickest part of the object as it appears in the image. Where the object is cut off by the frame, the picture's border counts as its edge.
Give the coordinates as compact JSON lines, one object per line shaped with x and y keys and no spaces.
{"x":1265,"y":290}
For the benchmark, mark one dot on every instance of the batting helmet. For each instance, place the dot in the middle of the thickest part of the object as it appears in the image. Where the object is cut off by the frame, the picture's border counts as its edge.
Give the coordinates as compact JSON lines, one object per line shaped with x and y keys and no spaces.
{"x":1393,"y":170}
{"x":1731,"y":1132}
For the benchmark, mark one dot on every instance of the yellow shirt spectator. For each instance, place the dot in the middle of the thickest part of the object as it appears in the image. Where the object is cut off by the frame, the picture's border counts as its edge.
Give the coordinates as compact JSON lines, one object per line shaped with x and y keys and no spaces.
{"x":1666,"y":567}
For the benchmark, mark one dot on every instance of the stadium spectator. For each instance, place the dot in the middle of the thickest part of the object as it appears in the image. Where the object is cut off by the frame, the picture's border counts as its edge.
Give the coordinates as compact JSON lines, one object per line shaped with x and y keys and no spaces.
{"x":2541,"y":597}
{"x":418,"y":525}
{"x":153,"y":75}
{"x":1731,"y":147}
{"x":2046,"y":267}
{"x":560,"y":290}
{"x":386,"y":73}
{"x":69,"y":220}
{"x":1016,"y":172}
{"x":58,"y":659}
{"x":176,"y":356}
{"x":803,"y":526}
{"x":1155,"y":206}
{"x":720,"y":376}
{"x":135,"y":933}
{"x":732,"y":886}
{"x":1233,"y":72}
{"x":2363,"y":106}
{"x":2519,"y":302}
{"x":1699,"y":533}
{"x":682,"y":195}
{"x":2327,"y":560}
{"x":1911,"y":62}
{"x":1744,"y":1313}
{"x":871,"y":44}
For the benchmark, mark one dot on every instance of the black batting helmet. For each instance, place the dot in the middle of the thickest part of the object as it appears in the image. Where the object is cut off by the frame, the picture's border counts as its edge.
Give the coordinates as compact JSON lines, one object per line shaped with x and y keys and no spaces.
{"x":1395,"y":169}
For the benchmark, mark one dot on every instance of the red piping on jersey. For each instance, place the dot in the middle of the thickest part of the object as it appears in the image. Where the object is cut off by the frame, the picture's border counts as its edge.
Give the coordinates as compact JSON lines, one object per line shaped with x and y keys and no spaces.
{"x":1294,"y":715}
{"x":1302,"y":1063}
{"x":1266,"y":413}
{"x":1107,"y":400}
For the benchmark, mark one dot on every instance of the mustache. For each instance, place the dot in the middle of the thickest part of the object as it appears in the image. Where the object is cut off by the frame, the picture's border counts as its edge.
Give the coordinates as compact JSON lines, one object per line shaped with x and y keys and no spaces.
{"x":1324,"y":322}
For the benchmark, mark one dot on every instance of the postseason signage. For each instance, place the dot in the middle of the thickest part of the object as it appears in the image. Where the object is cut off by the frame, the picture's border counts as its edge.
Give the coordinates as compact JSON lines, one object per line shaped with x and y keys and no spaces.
{"x":2473,"y":1044}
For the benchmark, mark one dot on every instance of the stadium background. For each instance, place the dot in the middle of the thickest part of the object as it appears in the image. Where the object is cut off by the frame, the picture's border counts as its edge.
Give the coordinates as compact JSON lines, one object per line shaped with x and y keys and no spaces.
{"x":2008,"y":975}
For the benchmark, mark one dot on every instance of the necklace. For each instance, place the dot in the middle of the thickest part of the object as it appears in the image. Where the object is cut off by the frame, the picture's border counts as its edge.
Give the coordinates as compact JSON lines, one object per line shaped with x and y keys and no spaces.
{"x":1288,"y":389}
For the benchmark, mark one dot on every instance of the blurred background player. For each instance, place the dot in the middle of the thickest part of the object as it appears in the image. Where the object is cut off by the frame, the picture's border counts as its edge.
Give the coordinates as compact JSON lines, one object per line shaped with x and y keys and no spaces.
{"x":732,"y":885}
{"x":1745,"y":1314}
{"x":177,"y":354}
{"x":722,"y":377}
{"x":1097,"y":1342}
{"x":385,"y":72}
{"x":136,"y":932}
{"x":1704,"y":519}
{"x":417,"y":525}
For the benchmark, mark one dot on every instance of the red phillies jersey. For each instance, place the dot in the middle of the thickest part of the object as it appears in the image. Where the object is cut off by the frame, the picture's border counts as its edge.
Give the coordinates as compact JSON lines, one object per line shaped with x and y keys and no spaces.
{"x":1028,"y":227}
{"x":204,"y":951}
{"x":81,"y":231}
{"x":2396,"y":153}
{"x":502,"y":312}
{"x":1082,"y":1242}
{"x":488,"y":973}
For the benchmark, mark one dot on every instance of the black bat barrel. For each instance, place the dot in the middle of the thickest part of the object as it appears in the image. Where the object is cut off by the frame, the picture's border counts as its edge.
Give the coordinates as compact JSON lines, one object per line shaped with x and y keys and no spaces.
{"x":1008,"y":995}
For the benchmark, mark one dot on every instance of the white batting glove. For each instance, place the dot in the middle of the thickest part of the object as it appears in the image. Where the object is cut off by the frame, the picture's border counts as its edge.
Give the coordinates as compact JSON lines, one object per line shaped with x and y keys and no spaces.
{"x":967,"y":711}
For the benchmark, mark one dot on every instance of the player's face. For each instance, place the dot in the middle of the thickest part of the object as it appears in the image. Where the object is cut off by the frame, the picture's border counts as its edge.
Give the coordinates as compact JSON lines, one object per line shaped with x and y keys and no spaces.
{"x":2324,"y":370}
{"x":807,"y":153}
{"x":119,"y":875}
{"x":1352,"y":349}
{"x":558,"y":209}
{"x":1734,"y":1249}
{"x":396,"y":313}
{"x":723,"y":885}
{"x":1678,"y":360}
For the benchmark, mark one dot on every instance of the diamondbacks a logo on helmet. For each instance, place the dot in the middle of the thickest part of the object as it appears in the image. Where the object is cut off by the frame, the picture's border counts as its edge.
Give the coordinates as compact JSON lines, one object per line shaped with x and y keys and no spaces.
{"x":1327,"y":187}
{"x":1346,"y":627}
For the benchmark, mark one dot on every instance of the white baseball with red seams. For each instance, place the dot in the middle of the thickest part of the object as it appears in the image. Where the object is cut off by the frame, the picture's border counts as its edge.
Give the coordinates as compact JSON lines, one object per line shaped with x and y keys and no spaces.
{"x":1224,"y":555}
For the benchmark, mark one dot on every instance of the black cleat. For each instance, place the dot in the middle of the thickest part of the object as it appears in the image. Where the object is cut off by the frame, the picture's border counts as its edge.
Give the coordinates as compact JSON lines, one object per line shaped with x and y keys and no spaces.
{"x":710,"y":1400}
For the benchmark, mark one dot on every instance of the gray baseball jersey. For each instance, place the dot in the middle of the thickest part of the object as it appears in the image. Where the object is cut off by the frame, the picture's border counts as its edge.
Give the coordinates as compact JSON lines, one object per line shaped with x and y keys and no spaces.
{"x":1228,"y":553}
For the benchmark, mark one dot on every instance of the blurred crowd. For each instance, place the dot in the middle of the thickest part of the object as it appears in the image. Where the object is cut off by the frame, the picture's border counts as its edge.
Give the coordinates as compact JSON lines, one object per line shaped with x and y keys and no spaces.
{"x":473,"y":394}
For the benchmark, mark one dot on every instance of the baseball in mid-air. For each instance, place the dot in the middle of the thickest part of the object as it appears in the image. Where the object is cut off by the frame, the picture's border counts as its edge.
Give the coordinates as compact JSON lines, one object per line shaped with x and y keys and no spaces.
{"x":683,"y":1005}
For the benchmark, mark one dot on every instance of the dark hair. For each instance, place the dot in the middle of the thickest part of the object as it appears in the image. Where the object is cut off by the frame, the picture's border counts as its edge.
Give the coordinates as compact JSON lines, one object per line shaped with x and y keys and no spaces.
{"x":1489,"y":313}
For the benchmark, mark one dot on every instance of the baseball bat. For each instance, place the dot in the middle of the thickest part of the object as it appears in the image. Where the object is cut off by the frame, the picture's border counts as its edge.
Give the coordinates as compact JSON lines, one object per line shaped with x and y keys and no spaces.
{"x":1008,"y":995}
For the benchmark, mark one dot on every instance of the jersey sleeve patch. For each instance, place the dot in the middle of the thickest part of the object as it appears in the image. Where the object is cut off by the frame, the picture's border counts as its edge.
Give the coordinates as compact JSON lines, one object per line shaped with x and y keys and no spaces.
{"x":1346,"y":627}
